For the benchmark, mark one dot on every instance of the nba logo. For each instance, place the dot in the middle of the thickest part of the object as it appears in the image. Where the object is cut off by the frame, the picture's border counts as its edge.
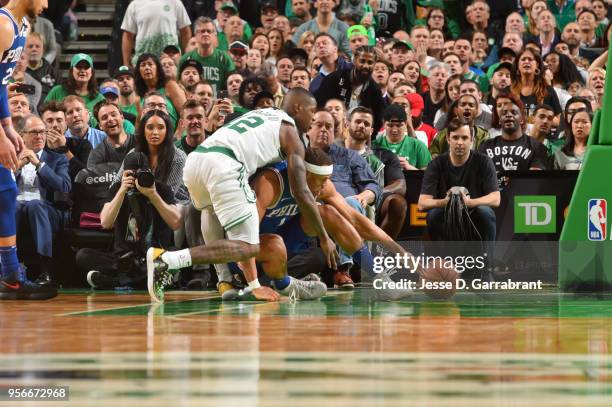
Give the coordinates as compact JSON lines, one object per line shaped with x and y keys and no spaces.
{"x":597,"y":219}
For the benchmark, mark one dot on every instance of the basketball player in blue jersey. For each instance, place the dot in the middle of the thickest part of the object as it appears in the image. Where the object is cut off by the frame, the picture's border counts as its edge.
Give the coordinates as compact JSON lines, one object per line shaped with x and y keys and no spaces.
{"x":280,"y":215}
{"x":14,"y":28}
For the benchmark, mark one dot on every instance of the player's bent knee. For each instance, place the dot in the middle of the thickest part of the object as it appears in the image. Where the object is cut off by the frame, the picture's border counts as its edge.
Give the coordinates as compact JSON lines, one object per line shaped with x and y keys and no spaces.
{"x":272,"y":247}
{"x":328,"y":212}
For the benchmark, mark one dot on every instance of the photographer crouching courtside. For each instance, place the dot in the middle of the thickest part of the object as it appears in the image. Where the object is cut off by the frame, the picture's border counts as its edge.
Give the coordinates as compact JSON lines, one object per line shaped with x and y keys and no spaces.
{"x":444,"y":195}
{"x":143,"y":211}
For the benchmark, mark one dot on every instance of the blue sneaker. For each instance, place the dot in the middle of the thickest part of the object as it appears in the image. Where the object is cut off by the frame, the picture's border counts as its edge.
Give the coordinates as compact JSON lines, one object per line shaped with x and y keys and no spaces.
{"x":16,"y":286}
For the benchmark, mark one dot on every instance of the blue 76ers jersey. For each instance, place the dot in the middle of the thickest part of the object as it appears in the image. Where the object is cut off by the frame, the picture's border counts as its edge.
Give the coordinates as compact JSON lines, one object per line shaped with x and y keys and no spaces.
{"x":283,"y":209}
{"x":7,"y":66}
{"x":13,"y":54}
{"x":283,"y":218}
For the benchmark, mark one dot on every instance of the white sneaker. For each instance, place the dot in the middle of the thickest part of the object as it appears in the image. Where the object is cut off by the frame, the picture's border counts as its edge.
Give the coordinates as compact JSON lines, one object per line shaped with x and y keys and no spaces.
{"x":386,"y":294}
{"x":311,"y":277}
{"x":304,"y":290}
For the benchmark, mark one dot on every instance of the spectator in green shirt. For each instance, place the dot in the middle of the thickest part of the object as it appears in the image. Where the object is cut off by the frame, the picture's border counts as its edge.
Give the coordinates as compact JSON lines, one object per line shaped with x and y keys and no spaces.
{"x":564,"y":11}
{"x":81,"y":81}
{"x":412,"y":153}
{"x":217,"y":64}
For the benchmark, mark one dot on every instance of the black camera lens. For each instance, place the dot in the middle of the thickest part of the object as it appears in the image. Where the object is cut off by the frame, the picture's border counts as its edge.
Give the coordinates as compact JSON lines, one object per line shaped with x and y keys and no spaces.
{"x":145,"y":178}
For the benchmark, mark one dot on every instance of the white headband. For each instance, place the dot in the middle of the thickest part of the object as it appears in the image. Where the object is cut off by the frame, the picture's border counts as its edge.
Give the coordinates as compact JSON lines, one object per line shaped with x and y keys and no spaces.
{"x":319,"y":169}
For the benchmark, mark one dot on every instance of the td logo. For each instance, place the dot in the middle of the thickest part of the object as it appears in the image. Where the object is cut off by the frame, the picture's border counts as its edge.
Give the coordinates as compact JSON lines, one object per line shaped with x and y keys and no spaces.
{"x":535,"y":214}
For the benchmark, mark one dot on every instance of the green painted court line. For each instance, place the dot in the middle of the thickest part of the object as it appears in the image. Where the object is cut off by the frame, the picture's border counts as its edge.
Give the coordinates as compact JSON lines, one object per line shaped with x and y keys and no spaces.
{"x":544,"y":304}
{"x":137,"y":306}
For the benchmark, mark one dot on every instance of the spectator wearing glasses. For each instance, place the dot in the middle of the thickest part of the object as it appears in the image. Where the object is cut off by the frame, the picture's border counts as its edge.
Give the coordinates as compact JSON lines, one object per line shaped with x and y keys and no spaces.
{"x":81,"y":81}
{"x":40,"y":174}
{"x":218,"y":63}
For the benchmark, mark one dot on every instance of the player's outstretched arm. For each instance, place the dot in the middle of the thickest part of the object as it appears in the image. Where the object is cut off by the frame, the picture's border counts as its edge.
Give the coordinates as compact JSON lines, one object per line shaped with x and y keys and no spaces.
{"x":294,"y":151}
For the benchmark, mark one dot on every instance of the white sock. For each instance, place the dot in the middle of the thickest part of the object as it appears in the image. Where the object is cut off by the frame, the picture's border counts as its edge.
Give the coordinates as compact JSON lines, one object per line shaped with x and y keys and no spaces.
{"x":223,"y":272}
{"x":177,"y":260}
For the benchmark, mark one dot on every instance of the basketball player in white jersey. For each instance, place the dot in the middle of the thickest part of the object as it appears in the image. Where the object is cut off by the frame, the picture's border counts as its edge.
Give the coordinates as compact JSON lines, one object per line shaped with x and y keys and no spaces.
{"x":217,"y":177}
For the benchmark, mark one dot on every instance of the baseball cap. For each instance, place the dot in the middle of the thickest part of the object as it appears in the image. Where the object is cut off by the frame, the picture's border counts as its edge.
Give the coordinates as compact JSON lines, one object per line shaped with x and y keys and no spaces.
{"x":395,"y":113}
{"x":124,"y":70}
{"x":431,"y":3}
{"x":356,"y":30}
{"x":502,"y":65}
{"x":506,"y":51}
{"x":299,"y":53}
{"x":229,"y":5}
{"x":193,"y":63}
{"x":81,"y":57}
{"x":269,"y":4}
{"x":497,"y":66}
{"x":172,"y":47}
{"x":109,"y":89}
{"x":417,"y":104}
{"x":238,"y":47}
{"x":402,"y":43}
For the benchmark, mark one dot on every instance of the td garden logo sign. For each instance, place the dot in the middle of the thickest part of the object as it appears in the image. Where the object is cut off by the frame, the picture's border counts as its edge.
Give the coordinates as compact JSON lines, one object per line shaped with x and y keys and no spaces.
{"x":535,"y":214}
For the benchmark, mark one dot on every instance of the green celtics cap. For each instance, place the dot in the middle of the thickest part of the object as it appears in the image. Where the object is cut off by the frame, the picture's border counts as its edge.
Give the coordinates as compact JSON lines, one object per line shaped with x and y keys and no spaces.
{"x":402,"y":43}
{"x":80,"y":57}
{"x":431,"y":3}
{"x":229,"y":5}
{"x":356,"y":30}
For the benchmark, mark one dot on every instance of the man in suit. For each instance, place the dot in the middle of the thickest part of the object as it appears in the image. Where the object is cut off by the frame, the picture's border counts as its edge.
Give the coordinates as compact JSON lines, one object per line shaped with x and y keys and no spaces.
{"x":39,"y":176}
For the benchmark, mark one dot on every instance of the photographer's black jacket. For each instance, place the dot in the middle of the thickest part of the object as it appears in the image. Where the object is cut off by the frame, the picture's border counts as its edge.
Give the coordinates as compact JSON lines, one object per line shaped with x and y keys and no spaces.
{"x":338,"y":85}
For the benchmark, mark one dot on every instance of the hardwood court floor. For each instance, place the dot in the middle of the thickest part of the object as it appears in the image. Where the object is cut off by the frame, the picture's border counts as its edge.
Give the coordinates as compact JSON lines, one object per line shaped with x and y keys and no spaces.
{"x":502,"y":349}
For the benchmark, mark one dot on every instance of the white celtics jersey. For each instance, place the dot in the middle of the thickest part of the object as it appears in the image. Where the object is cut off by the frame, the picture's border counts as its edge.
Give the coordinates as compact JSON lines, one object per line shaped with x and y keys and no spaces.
{"x":253,"y":137}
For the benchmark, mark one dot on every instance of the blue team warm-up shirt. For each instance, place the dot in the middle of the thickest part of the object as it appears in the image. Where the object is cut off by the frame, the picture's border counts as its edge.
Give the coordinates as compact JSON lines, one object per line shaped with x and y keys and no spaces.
{"x":7,"y":65}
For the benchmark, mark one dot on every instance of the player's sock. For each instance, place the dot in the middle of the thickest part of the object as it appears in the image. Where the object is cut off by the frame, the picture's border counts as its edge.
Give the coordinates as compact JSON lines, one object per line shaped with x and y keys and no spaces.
{"x":9,"y":264}
{"x":177,"y":260}
{"x":223,"y":273}
{"x":364,"y":259}
{"x":282,"y":283}
{"x":213,"y":231}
